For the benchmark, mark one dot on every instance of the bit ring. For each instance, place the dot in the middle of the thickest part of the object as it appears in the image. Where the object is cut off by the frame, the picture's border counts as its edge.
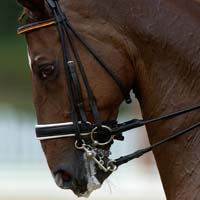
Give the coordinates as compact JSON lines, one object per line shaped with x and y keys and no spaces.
{"x":96,"y":142}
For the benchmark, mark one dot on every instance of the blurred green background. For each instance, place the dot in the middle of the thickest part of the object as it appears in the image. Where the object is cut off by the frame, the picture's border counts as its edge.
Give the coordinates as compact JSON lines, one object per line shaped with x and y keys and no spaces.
{"x":15,"y":84}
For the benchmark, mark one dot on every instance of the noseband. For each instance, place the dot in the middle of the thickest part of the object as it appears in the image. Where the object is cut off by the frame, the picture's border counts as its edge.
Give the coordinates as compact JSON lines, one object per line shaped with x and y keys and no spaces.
{"x":100,"y":133}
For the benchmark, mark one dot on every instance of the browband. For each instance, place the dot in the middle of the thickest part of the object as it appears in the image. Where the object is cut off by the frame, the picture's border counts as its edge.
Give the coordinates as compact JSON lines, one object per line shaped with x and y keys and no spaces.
{"x":36,"y":25}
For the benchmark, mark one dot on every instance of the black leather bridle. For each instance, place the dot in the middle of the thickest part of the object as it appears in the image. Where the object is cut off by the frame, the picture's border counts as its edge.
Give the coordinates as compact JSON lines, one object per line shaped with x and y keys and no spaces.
{"x":100,"y":133}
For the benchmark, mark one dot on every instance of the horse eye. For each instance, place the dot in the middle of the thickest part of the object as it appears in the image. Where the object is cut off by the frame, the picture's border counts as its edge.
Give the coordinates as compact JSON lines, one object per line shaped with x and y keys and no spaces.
{"x":45,"y":71}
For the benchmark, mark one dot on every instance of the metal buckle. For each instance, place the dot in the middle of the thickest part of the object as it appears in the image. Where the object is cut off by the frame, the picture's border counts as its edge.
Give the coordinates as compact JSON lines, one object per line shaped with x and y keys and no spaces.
{"x":111,"y":166}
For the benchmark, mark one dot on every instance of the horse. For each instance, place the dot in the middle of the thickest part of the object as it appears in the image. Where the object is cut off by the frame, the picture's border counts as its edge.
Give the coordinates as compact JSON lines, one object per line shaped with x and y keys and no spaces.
{"x":153,"y":47}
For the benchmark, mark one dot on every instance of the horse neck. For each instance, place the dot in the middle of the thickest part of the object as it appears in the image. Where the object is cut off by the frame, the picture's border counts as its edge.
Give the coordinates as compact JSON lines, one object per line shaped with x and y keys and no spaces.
{"x":167,"y":38}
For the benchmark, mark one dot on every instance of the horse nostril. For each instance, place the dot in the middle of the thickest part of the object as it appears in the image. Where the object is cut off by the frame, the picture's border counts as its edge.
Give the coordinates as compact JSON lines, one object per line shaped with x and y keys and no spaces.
{"x":65,"y":176}
{"x":63,"y":179}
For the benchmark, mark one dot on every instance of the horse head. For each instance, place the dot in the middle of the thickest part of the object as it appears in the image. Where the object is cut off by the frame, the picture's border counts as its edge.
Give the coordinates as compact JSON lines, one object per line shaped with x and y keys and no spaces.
{"x":151,"y":46}
{"x":66,"y":94}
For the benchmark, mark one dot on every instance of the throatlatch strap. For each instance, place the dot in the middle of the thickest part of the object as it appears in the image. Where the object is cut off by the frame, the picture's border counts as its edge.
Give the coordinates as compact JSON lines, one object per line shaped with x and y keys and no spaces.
{"x":102,"y":64}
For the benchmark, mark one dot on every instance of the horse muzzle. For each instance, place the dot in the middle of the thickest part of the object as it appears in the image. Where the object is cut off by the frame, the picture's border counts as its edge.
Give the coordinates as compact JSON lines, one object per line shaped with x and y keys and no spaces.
{"x":82,"y":181}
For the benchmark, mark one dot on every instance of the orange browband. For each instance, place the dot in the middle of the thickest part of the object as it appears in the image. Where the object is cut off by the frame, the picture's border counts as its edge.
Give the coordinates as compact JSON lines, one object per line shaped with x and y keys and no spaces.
{"x":34,"y":26}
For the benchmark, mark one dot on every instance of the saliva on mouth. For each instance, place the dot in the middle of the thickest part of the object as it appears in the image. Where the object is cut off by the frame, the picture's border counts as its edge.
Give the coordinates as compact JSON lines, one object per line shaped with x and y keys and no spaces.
{"x":94,"y":160}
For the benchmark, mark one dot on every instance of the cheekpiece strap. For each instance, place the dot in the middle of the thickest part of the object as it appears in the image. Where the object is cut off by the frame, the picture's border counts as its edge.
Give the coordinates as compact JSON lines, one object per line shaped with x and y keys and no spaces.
{"x":34,"y":26}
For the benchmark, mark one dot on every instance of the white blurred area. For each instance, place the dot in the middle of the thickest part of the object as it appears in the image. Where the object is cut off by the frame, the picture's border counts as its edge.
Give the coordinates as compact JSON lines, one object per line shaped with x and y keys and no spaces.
{"x":24,"y":173}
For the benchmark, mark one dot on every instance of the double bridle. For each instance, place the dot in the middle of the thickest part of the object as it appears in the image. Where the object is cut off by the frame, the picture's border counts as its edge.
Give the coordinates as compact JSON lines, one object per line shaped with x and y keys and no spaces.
{"x":100,"y":133}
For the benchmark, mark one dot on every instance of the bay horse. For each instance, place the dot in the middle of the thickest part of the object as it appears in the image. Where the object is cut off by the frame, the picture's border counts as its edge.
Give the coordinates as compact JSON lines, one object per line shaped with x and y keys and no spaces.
{"x":153,"y":46}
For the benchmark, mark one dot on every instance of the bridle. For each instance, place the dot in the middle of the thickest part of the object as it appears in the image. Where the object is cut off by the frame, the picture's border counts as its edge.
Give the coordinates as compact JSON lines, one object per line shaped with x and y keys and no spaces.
{"x":100,"y":133}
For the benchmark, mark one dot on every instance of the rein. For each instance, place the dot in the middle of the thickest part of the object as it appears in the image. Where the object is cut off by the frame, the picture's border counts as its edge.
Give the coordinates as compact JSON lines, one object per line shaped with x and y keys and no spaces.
{"x":100,"y":133}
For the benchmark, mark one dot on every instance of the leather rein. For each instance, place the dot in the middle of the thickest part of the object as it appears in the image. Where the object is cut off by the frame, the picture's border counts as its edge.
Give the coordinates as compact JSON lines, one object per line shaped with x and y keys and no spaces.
{"x":100,"y":133}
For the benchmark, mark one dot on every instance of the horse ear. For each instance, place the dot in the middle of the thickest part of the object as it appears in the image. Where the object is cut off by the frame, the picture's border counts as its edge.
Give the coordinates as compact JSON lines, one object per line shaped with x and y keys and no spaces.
{"x":33,"y":5}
